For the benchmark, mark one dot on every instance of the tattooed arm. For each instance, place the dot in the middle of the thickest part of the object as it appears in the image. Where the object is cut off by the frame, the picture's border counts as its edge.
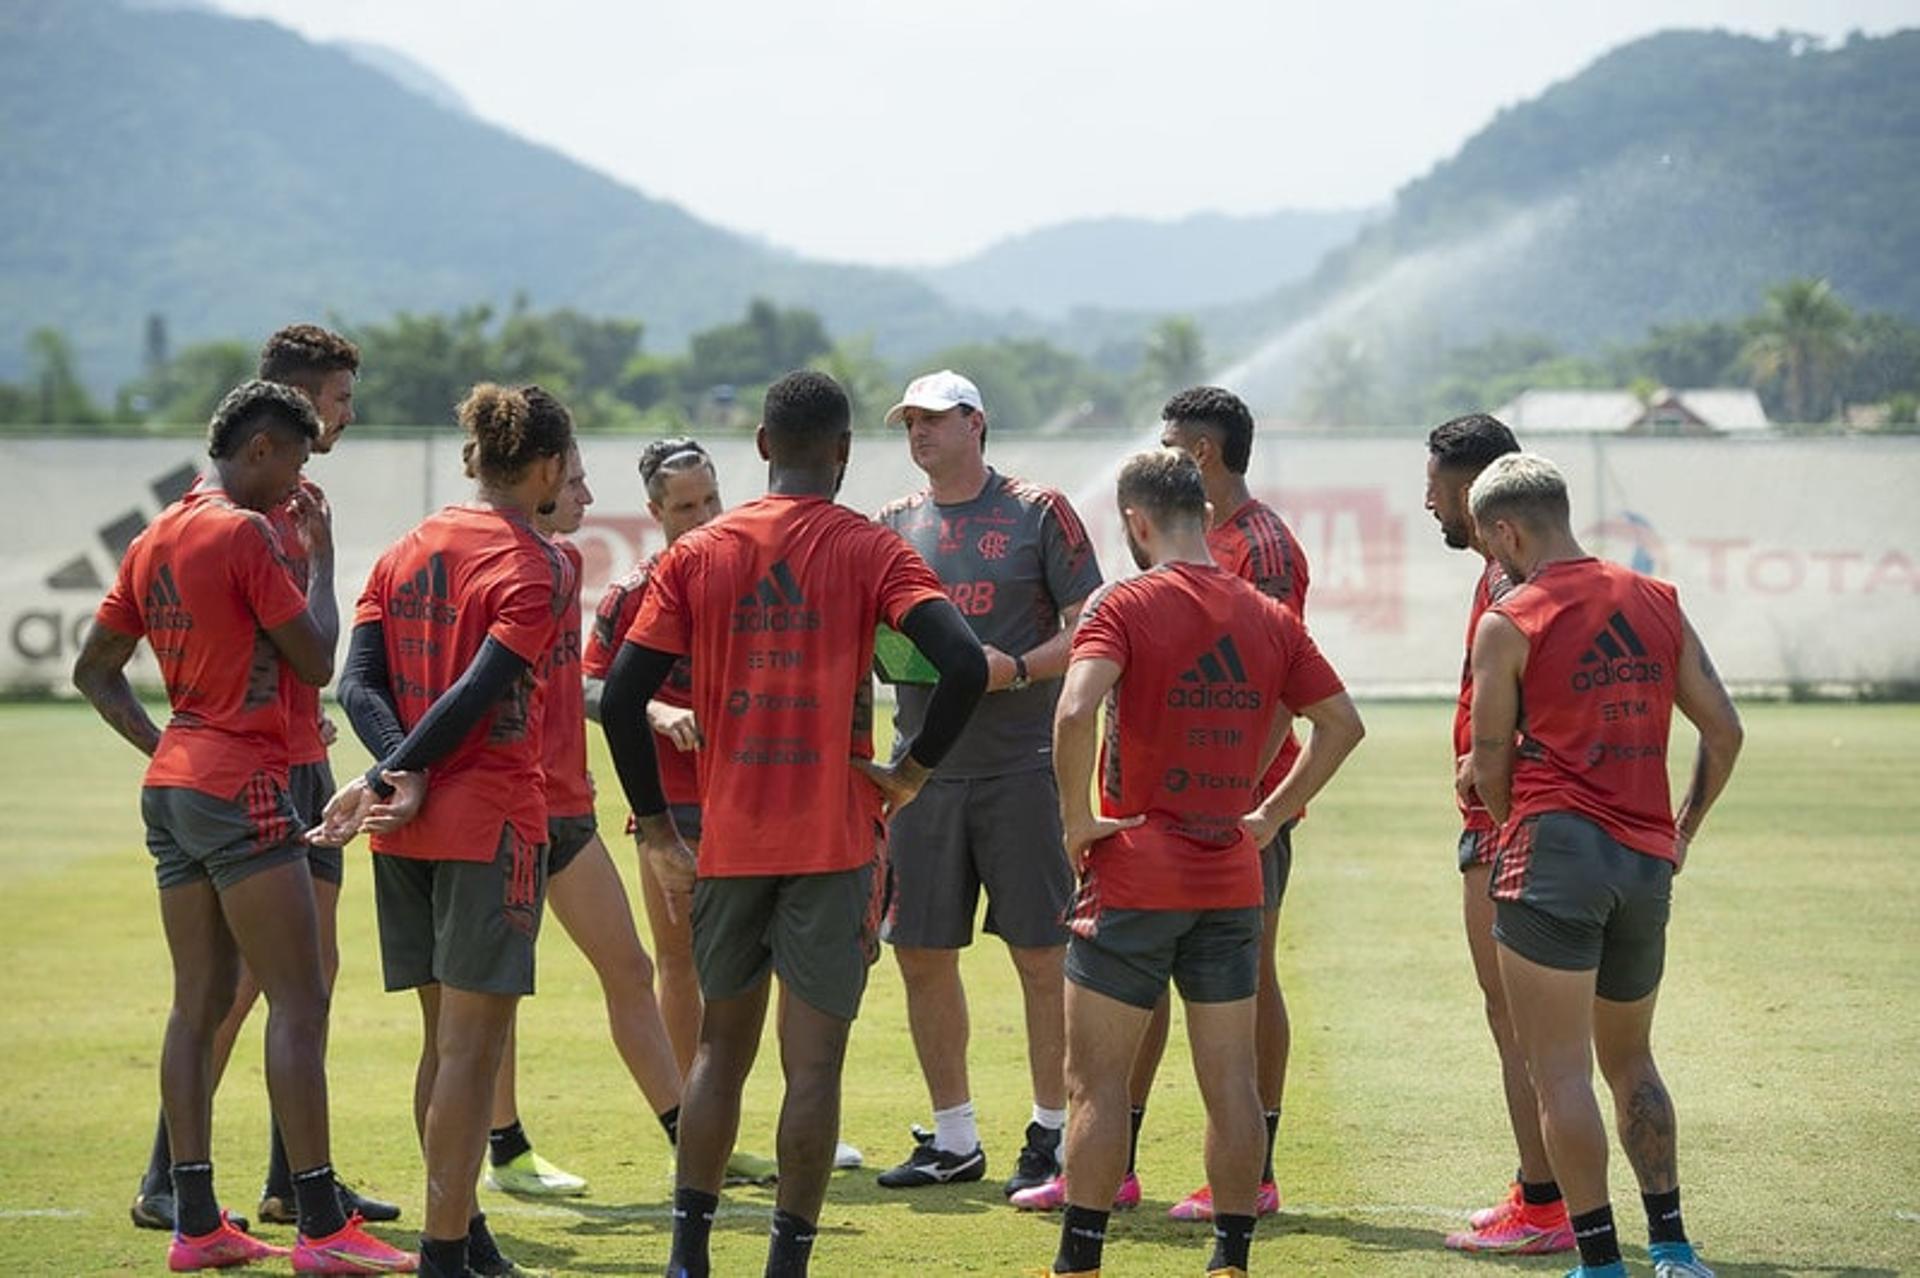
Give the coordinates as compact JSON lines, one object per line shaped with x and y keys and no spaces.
{"x":1699,"y":695}
{"x":101,"y":675}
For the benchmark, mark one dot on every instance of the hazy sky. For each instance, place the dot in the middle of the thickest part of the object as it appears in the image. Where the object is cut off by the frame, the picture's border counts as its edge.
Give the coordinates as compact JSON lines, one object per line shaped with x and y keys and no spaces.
{"x":904,"y":131}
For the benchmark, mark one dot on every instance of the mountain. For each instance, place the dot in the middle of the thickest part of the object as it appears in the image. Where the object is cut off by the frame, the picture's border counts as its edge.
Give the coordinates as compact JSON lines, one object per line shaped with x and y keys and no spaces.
{"x":1133,"y":264}
{"x":233,"y":176}
{"x":1674,"y":179}
{"x":407,"y":73}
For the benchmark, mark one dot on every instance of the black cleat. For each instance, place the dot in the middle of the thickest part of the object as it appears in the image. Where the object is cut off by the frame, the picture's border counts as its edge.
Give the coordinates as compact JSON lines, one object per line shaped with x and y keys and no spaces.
{"x":929,"y":1166}
{"x":483,"y":1255}
{"x":155,"y":1211}
{"x":279,"y":1207}
{"x":1039,"y":1160}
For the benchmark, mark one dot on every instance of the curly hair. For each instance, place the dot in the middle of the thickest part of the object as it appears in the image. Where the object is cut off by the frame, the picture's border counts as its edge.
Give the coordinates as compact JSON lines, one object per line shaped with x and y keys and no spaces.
{"x":304,"y":353}
{"x":1223,"y":413}
{"x":805,"y":410}
{"x":509,"y":428}
{"x":254,"y":406}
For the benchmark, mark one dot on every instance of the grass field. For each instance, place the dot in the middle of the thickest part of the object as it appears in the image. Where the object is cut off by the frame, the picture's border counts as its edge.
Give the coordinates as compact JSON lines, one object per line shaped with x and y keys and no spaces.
{"x":1790,"y":1035}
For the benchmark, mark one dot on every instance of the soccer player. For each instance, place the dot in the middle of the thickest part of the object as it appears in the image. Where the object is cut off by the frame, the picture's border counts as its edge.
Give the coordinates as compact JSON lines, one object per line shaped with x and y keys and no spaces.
{"x":683,"y":492}
{"x":1016,"y":561}
{"x":1200,"y":674}
{"x":1532,"y":1218}
{"x":443,"y":671}
{"x":1250,"y":540}
{"x":584,"y":892}
{"x":322,"y":366}
{"x":1598,"y":657}
{"x":777,"y":602}
{"x":209,"y":585}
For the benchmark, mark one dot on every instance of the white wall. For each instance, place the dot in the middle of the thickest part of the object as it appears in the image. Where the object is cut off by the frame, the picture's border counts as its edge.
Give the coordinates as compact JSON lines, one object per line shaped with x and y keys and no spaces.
{"x":1798,"y":559}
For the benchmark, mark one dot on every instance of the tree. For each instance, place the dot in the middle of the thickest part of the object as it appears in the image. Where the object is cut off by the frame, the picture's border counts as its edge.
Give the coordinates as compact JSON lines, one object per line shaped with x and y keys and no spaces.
{"x":55,"y":394}
{"x":1175,"y":357}
{"x":184,"y":390}
{"x":865,"y":377}
{"x":767,"y":344}
{"x":1800,"y":344}
{"x":1341,"y":385}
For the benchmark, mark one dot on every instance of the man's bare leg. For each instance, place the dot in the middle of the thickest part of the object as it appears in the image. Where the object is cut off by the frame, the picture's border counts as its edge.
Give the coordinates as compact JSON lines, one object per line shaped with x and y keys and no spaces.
{"x":1523,"y":1108}
{"x":680,"y":1002}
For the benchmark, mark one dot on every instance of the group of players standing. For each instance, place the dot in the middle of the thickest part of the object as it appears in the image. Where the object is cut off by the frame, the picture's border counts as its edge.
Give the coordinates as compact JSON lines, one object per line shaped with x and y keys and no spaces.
{"x":733,"y":677}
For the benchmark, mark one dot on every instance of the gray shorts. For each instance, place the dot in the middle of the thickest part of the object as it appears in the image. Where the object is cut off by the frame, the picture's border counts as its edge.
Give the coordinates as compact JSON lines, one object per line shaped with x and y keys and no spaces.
{"x":1213,"y":956}
{"x":311,"y":785}
{"x":817,"y":931}
{"x":1477,"y":847}
{"x":469,"y":924}
{"x":567,"y":837}
{"x":195,"y":836}
{"x":1568,"y":895}
{"x":1002,"y":833}
{"x":1276,"y":867}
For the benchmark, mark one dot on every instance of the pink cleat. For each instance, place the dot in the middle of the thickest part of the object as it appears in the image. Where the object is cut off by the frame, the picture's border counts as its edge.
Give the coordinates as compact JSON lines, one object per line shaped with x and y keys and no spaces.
{"x":1524,"y":1231}
{"x":1499,"y":1211}
{"x":1051,"y":1195}
{"x":220,"y":1249}
{"x":1199,"y":1204}
{"x":352,"y":1250}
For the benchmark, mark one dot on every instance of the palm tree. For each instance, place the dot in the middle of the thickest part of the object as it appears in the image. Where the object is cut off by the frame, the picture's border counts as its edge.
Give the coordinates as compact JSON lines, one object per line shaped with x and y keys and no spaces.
{"x":1801,"y":341}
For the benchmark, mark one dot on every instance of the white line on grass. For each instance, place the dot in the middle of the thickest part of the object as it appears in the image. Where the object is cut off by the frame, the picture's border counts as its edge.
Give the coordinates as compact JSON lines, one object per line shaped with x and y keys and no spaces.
{"x":37,"y":1213}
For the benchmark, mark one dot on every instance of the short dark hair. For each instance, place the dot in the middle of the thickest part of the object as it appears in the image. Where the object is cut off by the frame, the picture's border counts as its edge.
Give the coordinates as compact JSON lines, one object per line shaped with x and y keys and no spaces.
{"x":1220,"y":411}
{"x":254,"y":406}
{"x":1165,"y":483}
{"x":509,"y":428}
{"x":304,"y":353}
{"x":1471,"y":442}
{"x":805,"y":411}
{"x":664,"y":457}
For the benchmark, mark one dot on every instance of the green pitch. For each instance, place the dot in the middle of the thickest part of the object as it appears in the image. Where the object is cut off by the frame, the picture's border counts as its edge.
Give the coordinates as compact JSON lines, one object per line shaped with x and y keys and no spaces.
{"x":1790,"y":1036}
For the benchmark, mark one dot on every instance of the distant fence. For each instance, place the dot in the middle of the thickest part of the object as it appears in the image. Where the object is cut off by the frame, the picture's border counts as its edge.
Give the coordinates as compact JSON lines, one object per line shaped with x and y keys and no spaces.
{"x":1798,"y":559}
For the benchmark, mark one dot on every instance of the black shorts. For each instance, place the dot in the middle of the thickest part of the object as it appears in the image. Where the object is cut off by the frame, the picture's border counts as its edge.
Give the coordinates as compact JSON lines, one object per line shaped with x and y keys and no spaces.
{"x":195,"y":836}
{"x":1213,"y":956}
{"x":311,"y":785}
{"x":567,"y":837}
{"x":1001,"y":833}
{"x":1276,"y":867}
{"x":1477,"y":847}
{"x":469,"y":924}
{"x":1568,"y":895}
{"x":686,"y":819}
{"x":817,"y":931}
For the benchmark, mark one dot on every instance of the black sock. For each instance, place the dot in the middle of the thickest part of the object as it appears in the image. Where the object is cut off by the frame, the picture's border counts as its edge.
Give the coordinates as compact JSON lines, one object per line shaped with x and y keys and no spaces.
{"x":481,"y":1248}
{"x":1663,"y":1217}
{"x":1599,"y":1244}
{"x":1541,"y":1194}
{"x":504,"y":1144}
{"x":1273,"y":1130}
{"x":279,"y":1175}
{"x":1138,"y":1116}
{"x":319,"y":1202}
{"x":1083,"y":1235}
{"x":671,"y":1121}
{"x":195,"y":1210}
{"x":692,"y":1227}
{"x":1232,"y":1240}
{"x":791,"y":1246}
{"x":443,"y":1257}
{"x":159,"y":1162}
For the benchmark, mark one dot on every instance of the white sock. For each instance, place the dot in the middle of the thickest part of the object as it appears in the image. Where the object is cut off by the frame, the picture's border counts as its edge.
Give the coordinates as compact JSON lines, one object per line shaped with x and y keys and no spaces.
{"x":1051,"y":1119}
{"x":954,"y":1129}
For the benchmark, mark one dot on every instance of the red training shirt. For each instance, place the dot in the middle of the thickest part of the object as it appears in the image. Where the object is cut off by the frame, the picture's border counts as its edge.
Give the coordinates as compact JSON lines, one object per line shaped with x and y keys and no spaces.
{"x":1596,"y":699}
{"x":564,"y":732}
{"x":679,"y":776}
{"x":1492,"y":586}
{"x":1255,"y":545}
{"x":465,"y":575}
{"x":204,"y":583}
{"x":1206,"y":662}
{"x":303,"y":699}
{"x":776,"y":602}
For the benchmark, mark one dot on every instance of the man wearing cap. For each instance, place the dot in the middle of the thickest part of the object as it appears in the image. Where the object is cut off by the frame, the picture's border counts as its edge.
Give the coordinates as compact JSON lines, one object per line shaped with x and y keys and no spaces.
{"x":1016,"y":561}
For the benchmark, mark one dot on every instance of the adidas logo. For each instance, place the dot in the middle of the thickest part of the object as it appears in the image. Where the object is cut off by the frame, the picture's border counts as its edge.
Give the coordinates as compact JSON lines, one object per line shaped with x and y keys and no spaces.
{"x":163,"y":608}
{"x":775,"y":605}
{"x":425,"y":597}
{"x":79,"y":572}
{"x":1616,"y":657}
{"x":1216,"y":681}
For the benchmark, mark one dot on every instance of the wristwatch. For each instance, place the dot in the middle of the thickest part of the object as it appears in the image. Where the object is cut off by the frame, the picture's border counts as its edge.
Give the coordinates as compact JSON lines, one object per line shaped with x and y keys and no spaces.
{"x":1020,"y":679}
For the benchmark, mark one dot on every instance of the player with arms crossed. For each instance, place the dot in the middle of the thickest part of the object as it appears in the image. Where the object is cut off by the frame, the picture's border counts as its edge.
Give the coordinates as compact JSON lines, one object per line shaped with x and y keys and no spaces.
{"x":1532,"y":1219}
{"x":1576,"y":674}
{"x":1017,"y":562}
{"x":442,"y":671}
{"x":1201,"y":675}
{"x":208,"y":584}
{"x":776,"y":603}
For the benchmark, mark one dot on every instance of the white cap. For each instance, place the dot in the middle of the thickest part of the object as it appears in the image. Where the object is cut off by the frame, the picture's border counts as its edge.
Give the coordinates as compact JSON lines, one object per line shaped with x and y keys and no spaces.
{"x":936,"y":393}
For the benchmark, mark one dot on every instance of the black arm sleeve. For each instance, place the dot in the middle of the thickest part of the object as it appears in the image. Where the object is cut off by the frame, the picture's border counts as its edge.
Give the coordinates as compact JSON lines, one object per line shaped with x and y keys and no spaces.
{"x":453,"y":715}
{"x":942,"y":634}
{"x":366,"y":695}
{"x":636,"y":674}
